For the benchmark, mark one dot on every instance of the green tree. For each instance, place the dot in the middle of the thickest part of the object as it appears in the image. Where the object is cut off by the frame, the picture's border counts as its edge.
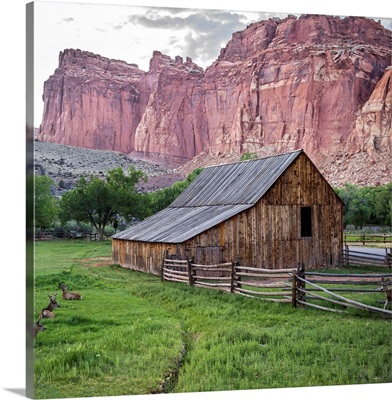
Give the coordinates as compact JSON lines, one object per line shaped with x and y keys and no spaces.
{"x":248,"y":156}
{"x":45,"y":203}
{"x":366,"y":205}
{"x":383,"y":204}
{"x":97,"y":201}
{"x":347,"y":194}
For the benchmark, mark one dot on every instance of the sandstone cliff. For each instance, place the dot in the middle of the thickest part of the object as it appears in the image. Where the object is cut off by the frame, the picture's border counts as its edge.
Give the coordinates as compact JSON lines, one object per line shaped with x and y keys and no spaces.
{"x":320,"y":83}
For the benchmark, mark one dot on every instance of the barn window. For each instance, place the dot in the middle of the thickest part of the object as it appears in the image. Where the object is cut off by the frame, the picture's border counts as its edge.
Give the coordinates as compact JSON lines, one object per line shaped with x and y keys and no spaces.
{"x":306,"y":221}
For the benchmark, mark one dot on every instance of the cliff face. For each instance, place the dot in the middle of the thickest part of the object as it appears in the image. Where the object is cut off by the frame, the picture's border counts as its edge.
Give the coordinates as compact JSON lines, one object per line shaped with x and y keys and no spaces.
{"x":296,"y":83}
{"x":93,"y":102}
{"x":316,"y":82}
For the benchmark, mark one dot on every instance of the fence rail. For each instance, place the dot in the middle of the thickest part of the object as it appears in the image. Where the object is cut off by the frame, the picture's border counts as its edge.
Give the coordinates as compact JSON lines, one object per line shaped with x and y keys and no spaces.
{"x":283,"y":286}
{"x":307,"y":287}
{"x":368,"y":238}
{"x":360,"y":258}
{"x":49,"y":235}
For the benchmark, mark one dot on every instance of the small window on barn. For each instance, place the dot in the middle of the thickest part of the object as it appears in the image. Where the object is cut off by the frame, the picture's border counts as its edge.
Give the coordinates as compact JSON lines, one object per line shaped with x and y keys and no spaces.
{"x":306,"y":221}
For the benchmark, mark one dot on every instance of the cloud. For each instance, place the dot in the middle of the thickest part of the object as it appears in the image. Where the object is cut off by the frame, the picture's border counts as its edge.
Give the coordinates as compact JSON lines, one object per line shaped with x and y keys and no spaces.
{"x":70,"y":19}
{"x":198,"y":34}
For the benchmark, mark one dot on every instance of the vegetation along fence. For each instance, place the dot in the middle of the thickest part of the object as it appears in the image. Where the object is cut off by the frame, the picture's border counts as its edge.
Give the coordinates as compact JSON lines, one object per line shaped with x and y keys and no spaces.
{"x":293,"y":286}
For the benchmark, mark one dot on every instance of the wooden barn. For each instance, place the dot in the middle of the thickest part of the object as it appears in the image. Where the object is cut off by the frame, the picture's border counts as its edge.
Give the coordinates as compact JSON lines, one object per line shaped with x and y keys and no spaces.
{"x":273,"y":212}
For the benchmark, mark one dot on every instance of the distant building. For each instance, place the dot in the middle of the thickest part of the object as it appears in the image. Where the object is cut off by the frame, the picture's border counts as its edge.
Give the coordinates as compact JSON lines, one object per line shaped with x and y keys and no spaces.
{"x":273,"y":212}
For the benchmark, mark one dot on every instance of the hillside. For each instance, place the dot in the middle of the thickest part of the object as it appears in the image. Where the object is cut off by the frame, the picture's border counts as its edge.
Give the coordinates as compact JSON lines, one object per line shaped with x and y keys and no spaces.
{"x":68,"y":164}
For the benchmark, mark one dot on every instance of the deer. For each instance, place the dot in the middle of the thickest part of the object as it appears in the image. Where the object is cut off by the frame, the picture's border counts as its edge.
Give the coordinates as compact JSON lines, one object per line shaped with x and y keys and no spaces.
{"x":38,"y":327}
{"x":47,"y":312}
{"x":69,"y":295}
{"x":388,"y":292}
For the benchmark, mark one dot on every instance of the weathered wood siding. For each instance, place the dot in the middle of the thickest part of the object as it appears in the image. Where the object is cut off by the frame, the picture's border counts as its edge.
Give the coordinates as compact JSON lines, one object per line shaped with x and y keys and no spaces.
{"x":268,"y":235}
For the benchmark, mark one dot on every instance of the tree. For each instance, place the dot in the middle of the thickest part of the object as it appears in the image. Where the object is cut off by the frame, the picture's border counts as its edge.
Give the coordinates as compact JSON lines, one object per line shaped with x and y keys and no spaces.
{"x":248,"y":156}
{"x":97,"y":201}
{"x":366,"y":205}
{"x":383,"y":204}
{"x":45,"y":203}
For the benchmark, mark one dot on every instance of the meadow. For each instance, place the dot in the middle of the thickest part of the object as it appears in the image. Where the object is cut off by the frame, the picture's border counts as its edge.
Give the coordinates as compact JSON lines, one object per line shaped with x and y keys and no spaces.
{"x":133,"y":334}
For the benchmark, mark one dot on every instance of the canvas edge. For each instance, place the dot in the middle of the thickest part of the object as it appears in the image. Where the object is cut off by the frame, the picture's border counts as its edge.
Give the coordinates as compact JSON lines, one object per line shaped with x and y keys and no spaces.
{"x":29,"y":200}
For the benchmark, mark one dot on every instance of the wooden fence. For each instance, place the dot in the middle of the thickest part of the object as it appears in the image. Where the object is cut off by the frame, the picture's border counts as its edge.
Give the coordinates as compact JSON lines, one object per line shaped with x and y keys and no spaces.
{"x":49,"y":235}
{"x":360,"y":258}
{"x":310,"y":282}
{"x":368,"y":238}
{"x":293,"y":286}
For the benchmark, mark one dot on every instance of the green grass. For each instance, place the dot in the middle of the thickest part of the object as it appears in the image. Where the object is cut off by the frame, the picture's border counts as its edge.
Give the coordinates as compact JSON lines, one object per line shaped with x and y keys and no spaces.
{"x":133,"y":334}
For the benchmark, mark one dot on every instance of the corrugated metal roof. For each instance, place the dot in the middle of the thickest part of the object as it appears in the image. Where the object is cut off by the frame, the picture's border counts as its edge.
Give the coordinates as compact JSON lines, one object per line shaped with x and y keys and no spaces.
{"x":218,"y":193}
{"x":176,"y":225}
{"x":237,"y":183}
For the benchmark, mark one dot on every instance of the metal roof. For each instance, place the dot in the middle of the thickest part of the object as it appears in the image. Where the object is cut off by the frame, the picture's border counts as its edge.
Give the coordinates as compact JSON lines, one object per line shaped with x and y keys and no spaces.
{"x":217,"y":194}
{"x":237,"y":183}
{"x":176,"y":225}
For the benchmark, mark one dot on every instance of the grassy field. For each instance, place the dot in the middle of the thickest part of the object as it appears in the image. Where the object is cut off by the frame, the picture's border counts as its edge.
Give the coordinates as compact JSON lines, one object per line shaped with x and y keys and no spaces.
{"x":133,"y":334}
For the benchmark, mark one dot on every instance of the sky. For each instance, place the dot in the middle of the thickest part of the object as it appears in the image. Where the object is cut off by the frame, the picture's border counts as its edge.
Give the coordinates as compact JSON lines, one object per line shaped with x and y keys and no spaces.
{"x":12,"y":201}
{"x":131,"y":33}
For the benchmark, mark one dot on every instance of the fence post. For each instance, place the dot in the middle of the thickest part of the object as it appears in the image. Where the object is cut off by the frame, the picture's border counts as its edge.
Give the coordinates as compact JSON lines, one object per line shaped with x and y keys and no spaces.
{"x":294,"y":289}
{"x":238,"y":279}
{"x":232,"y":277}
{"x":190,"y":277}
{"x":347,"y":256}
{"x":388,"y":257}
{"x":165,"y":255}
{"x":303,"y":284}
{"x":300,"y":285}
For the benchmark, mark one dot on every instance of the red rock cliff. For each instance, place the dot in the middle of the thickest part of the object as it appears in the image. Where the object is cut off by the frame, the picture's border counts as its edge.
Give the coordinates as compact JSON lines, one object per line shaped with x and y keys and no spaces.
{"x":311,"y":82}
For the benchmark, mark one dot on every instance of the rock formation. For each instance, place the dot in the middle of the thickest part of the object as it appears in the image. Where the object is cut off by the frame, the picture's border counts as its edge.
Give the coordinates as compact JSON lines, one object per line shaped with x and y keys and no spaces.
{"x":320,"y":83}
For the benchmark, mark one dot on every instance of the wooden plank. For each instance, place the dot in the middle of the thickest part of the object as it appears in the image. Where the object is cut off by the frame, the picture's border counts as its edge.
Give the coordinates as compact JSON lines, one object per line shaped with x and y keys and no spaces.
{"x":266,"y":271}
{"x":366,"y":258}
{"x":349,"y":275}
{"x":314,"y":296}
{"x":174,"y":280}
{"x":361,"y":253}
{"x":328,"y":282}
{"x":275,"y":285}
{"x":263,"y":298}
{"x":265,"y":276}
{"x":169,"y":260}
{"x":349,"y":290}
{"x":319,"y":307}
{"x":210,"y":267}
{"x":212,"y":284}
{"x":170,"y":271}
{"x":212,"y":278}
{"x":261,"y":293}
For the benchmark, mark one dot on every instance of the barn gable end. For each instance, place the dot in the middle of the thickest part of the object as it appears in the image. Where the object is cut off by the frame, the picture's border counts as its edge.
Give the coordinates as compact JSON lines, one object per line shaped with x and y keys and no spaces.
{"x":270,"y":213}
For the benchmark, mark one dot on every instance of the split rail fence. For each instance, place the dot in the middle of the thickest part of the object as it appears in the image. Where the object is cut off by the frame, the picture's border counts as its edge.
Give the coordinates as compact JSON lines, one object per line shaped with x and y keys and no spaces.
{"x":361,"y":258}
{"x":293,"y":286}
{"x":367,"y":239}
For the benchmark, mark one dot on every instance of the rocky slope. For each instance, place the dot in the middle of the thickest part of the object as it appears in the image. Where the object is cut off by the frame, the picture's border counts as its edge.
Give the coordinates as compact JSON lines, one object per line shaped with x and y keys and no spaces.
{"x":320,"y":83}
{"x":68,"y":164}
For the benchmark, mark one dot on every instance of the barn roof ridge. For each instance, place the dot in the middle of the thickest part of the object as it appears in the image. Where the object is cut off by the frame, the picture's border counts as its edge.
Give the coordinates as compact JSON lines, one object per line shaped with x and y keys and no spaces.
{"x":255,"y":159}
